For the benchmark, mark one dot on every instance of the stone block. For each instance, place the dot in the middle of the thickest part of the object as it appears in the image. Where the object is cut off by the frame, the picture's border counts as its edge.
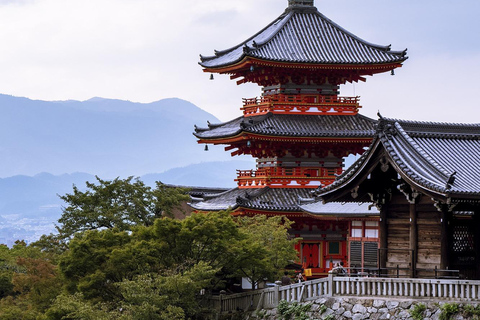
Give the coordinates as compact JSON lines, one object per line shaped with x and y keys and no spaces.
{"x":347,"y":315}
{"x":358,"y":308}
{"x":372,"y":310}
{"x":403,"y":314}
{"x":340,"y":310}
{"x":392,"y":304}
{"x":378,"y":303}
{"x":358,"y":316}
{"x":385,"y":316}
{"x":348,"y":306}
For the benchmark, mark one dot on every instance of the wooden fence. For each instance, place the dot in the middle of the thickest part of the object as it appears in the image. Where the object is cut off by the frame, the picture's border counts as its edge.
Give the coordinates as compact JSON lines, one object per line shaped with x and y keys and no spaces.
{"x":438,"y":289}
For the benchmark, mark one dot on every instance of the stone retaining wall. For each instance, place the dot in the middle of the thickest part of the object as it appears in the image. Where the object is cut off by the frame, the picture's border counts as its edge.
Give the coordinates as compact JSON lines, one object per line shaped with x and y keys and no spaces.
{"x":374,"y":309}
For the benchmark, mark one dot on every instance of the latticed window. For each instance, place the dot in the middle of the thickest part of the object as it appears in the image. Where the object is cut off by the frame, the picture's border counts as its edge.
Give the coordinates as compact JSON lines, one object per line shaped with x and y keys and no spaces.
{"x":463,"y":239}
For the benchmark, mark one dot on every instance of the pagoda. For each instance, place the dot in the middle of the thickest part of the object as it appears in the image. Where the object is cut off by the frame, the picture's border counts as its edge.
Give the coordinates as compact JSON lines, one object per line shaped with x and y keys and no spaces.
{"x":299,"y":129}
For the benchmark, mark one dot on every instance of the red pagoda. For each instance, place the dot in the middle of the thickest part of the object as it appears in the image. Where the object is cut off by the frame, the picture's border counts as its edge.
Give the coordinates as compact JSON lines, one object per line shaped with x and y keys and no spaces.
{"x":299,"y":129}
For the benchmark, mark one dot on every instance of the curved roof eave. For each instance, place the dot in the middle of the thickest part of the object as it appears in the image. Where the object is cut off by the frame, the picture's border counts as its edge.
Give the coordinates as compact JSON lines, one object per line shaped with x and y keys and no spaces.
{"x":253,"y":46}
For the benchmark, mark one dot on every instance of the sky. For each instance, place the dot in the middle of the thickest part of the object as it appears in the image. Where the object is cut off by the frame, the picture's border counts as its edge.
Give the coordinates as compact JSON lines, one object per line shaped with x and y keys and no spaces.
{"x":147,"y":50}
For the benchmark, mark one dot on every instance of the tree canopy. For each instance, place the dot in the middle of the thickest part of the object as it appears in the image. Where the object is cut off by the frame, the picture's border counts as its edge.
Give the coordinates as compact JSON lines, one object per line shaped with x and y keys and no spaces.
{"x":118,"y":203}
{"x":125,"y":258}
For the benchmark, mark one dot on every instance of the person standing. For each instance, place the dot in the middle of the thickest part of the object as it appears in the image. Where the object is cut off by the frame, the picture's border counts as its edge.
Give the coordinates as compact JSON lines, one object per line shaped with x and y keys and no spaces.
{"x":286,"y":279}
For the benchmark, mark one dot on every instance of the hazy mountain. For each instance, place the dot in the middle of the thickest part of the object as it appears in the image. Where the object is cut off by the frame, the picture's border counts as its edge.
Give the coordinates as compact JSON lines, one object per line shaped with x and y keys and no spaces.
{"x":100,"y":136}
{"x":30,"y":206}
{"x":104,"y":137}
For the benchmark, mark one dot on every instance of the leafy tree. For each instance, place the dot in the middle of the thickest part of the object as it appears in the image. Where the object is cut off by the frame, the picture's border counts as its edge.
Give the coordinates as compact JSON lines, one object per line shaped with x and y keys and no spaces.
{"x":38,"y":282}
{"x":119,"y":204}
{"x":28,"y":281}
{"x":266,"y":249}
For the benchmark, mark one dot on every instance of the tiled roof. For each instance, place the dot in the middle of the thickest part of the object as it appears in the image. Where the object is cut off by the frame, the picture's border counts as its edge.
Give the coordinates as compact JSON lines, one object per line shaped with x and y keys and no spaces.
{"x":293,"y":126}
{"x":269,"y":199}
{"x":304,"y":35}
{"x":443,"y":158}
{"x":348,"y":209}
{"x":277,"y":199}
{"x":222,"y":201}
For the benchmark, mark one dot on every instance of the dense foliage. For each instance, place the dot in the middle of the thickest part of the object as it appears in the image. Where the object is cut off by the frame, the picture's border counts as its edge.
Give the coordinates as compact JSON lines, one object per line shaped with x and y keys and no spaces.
{"x":142,"y":264}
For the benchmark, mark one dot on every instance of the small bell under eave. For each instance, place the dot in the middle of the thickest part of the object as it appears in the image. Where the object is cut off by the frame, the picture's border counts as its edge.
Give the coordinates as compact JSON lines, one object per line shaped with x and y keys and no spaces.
{"x":211,"y":76}
{"x":392,"y":72}
{"x":206,"y":147}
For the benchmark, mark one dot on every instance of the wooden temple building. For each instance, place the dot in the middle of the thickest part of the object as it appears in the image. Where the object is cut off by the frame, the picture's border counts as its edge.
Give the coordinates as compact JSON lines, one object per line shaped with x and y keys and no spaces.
{"x":425,"y":180}
{"x":300,"y":130}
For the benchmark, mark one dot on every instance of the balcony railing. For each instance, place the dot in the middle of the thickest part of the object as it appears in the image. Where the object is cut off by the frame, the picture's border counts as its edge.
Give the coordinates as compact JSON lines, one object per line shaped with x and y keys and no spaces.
{"x":372,"y":288}
{"x":301,"y":104}
{"x":286,"y":177}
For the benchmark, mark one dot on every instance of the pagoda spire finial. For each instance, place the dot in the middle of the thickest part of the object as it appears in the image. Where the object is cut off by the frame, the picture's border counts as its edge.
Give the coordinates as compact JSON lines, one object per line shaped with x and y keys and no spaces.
{"x":300,"y":3}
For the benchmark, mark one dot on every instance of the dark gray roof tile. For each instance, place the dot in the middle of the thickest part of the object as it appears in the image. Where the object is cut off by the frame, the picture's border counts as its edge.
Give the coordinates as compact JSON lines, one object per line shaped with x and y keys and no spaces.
{"x":441,"y":157}
{"x":357,"y":126}
{"x":304,"y":35}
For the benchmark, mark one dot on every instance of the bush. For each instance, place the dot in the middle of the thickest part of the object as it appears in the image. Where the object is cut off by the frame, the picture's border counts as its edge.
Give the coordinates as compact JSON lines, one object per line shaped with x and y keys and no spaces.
{"x":298,"y":311}
{"x":448,"y":310}
{"x":417,"y":311}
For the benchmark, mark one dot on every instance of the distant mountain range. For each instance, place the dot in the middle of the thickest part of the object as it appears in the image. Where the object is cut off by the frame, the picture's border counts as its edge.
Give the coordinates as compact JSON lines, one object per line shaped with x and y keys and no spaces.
{"x":103,"y":137}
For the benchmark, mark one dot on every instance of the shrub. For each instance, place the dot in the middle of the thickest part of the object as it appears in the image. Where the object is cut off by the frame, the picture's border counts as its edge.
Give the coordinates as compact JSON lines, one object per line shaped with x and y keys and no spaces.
{"x":448,"y":310}
{"x":295,"y":310}
{"x":417,"y":311}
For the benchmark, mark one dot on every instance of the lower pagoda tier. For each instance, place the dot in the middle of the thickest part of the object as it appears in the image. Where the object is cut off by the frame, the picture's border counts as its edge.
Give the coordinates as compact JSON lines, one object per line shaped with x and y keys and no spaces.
{"x":293,"y":151}
{"x":328,"y":232}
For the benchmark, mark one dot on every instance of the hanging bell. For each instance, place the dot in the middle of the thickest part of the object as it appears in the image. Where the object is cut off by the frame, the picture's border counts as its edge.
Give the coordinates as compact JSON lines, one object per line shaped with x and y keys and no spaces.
{"x":211,"y":76}
{"x":206,"y":147}
{"x":392,"y":72}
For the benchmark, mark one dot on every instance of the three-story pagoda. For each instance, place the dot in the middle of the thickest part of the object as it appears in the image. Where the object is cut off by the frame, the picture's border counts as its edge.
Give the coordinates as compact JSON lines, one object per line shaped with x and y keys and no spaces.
{"x":299,"y":129}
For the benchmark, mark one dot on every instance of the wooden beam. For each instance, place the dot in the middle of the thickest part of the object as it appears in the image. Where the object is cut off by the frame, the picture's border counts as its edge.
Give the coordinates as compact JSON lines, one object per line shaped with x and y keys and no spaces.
{"x":383,"y":238}
{"x":413,"y":239}
{"x":444,"y":240}
{"x":476,"y":221}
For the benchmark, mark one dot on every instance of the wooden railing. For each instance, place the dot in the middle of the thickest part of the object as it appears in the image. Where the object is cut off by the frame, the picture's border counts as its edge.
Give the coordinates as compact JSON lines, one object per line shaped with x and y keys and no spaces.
{"x":299,"y":104}
{"x":278,"y":176}
{"x":333,"y":286}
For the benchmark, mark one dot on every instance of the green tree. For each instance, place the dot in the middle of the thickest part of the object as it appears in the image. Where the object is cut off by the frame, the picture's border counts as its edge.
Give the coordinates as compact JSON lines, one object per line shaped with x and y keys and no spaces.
{"x":266,"y":249}
{"x":29,"y":281}
{"x":118,"y":203}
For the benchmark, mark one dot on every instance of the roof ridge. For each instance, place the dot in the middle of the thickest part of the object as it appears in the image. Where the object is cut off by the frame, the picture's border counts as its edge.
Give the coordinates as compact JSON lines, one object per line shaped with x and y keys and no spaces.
{"x":243,"y":43}
{"x":334,"y":24}
{"x":429,"y":163}
{"x":432,"y":123}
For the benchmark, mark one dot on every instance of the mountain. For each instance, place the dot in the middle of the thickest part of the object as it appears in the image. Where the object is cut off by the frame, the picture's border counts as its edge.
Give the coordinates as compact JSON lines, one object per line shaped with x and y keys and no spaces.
{"x":30,"y":206}
{"x":105,"y":137}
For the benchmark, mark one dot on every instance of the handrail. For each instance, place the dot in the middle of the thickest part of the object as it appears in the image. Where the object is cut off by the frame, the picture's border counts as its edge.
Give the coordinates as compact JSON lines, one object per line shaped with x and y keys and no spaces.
{"x":301,"y":104}
{"x":441,"y":289}
{"x":287,"y":172}
{"x":302,"y":99}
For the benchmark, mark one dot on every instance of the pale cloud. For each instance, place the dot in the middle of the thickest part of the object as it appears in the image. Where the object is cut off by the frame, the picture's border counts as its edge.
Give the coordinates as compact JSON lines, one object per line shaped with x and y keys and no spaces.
{"x":15,"y":2}
{"x":146,"y":50}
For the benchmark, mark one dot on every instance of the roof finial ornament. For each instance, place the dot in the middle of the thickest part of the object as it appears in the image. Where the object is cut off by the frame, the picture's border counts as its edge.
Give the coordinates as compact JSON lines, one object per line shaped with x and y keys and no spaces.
{"x":300,"y":3}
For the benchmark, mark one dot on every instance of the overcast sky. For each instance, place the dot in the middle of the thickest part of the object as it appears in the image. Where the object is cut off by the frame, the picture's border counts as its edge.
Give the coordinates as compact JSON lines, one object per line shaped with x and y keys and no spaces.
{"x":147,"y":50}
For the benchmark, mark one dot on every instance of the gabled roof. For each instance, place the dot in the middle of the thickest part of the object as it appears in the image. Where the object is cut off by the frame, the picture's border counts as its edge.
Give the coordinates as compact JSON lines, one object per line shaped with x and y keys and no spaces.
{"x":331,"y":126}
{"x":443,"y":159}
{"x":340,"y":209}
{"x":267,"y":199}
{"x":303,"y":35}
{"x":281,"y":201}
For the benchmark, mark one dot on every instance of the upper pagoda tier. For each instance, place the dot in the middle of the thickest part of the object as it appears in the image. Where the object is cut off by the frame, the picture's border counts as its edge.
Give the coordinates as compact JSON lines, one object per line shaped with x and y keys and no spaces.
{"x":303,"y":46}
